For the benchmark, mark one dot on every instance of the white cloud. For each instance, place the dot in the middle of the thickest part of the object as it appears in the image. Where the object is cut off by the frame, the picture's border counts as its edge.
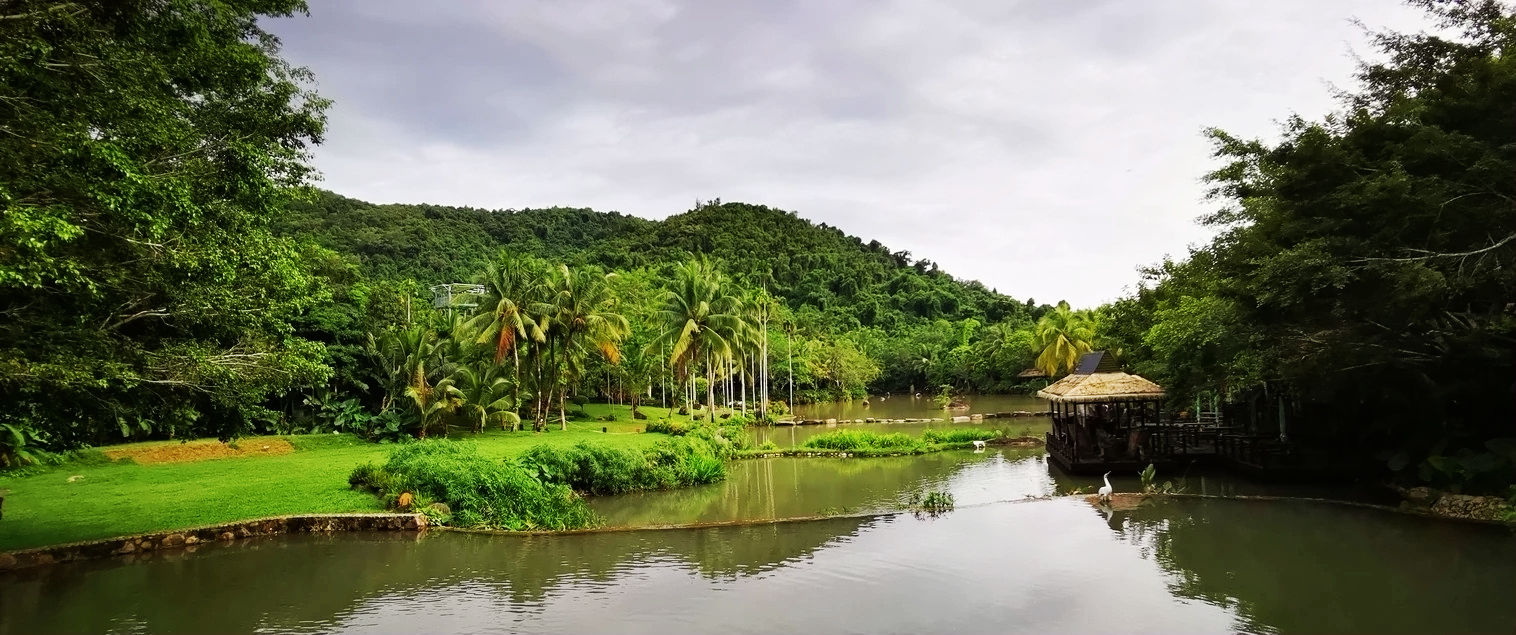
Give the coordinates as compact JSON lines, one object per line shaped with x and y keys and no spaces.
{"x":1044,"y":148}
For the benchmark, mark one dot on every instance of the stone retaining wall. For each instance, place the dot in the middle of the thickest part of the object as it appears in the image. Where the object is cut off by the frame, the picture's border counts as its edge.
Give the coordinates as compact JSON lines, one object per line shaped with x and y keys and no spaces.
{"x":188,"y":538}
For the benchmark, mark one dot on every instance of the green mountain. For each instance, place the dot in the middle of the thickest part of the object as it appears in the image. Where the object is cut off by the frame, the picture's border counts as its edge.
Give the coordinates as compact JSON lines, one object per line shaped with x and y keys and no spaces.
{"x":833,"y":280}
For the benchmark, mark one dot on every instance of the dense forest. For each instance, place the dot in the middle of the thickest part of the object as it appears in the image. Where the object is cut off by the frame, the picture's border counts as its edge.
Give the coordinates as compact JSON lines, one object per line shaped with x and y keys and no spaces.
{"x":167,"y":269}
{"x":1362,"y":279}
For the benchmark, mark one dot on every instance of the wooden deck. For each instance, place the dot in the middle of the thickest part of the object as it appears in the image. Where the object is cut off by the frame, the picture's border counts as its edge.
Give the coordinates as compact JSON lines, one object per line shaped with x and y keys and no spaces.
{"x":1170,"y":445}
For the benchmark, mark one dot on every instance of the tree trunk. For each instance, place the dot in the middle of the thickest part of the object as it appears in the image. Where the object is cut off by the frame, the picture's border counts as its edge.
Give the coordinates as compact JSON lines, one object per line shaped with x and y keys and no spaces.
{"x":710,"y":387}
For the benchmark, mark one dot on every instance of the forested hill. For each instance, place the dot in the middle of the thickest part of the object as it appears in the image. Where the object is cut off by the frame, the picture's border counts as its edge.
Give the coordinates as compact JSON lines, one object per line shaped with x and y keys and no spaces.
{"x":840,"y":281}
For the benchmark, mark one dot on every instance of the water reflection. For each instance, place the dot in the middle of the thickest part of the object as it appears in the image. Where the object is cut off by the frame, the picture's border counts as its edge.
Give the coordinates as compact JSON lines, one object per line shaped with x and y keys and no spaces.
{"x":907,"y":407}
{"x":1044,"y":566}
{"x":761,"y":489}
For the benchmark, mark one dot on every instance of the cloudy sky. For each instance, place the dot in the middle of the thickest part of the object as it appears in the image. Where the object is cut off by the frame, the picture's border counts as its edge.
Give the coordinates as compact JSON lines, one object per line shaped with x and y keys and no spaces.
{"x":1046,"y":148}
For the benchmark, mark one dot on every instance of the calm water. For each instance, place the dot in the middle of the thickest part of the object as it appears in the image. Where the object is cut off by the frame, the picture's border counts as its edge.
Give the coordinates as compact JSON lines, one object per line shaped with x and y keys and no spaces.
{"x":1183,"y":566}
{"x":907,"y":407}
{"x":904,"y":407}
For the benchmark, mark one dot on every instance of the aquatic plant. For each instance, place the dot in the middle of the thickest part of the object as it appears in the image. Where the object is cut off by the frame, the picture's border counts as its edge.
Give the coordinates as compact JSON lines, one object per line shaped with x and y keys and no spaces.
{"x":932,"y":503}
{"x":961,"y":435}
{"x":849,"y":440}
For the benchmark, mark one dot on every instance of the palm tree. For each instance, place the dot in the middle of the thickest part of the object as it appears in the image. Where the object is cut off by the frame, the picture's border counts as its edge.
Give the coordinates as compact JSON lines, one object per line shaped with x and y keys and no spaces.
{"x":1062,"y":335}
{"x":407,"y":362}
{"x":701,"y":322}
{"x":483,"y":398}
{"x":584,"y":322}
{"x":433,"y":400}
{"x":515,"y":284}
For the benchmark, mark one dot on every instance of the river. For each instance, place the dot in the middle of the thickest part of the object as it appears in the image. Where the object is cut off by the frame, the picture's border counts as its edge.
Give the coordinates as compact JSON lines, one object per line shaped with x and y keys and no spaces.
{"x":996,"y":563}
{"x":906,"y":407}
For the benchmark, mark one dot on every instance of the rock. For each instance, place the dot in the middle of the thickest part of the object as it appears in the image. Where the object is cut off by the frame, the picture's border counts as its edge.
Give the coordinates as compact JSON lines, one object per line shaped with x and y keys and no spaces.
{"x":960,"y":419}
{"x":191,"y":539}
{"x":976,"y":417}
{"x":127,"y":547}
{"x":868,"y":420}
{"x":831,"y":422}
{"x":441,"y":508}
{"x":7,"y":561}
{"x":1421,"y":495}
{"x":173,"y":540}
{"x":76,"y":478}
{"x":638,"y":415}
{"x":227,"y":535}
{"x":405,"y":501}
{"x":1465,"y":506}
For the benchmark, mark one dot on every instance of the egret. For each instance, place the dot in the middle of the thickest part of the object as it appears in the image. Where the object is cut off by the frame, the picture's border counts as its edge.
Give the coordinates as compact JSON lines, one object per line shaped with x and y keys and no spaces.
{"x":1105,"y":492}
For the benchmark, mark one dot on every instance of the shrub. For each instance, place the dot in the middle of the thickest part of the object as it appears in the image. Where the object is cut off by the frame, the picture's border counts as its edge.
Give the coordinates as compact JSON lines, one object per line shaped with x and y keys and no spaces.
{"x":961,"y":435}
{"x":848,"y":440}
{"x":769,"y":445}
{"x":480,"y":491}
{"x":666,"y":427}
{"x":596,"y":469}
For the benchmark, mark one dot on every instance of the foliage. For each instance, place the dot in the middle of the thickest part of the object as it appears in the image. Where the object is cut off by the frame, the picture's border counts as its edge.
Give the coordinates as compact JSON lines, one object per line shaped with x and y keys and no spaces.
{"x":597,"y":469}
{"x":932,"y":503}
{"x":146,"y":147}
{"x":1062,"y":335}
{"x":960,"y":435}
{"x":481,"y":492}
{"x":1363,"y":262}
{"x":847,"y":440}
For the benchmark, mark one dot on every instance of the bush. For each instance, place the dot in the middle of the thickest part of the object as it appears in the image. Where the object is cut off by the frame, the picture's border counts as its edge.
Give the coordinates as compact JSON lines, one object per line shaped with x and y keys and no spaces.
{"x":480,"y":491}
{"x":849,"y":440}
{"x":961,"y":435}
{"x":596,"y":469}
{"x":666,"y":427}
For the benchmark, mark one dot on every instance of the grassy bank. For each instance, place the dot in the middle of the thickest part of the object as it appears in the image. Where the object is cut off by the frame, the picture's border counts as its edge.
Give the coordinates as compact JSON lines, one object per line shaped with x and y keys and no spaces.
{"x":99,"y":499}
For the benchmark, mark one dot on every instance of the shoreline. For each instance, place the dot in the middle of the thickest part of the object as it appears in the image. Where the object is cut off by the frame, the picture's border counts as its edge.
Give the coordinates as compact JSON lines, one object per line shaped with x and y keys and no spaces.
{"x":138,"y":546}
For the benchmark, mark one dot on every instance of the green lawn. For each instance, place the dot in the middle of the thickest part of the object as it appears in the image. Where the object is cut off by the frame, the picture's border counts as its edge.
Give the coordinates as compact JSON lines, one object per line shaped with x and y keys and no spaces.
{"x":124,"y":498}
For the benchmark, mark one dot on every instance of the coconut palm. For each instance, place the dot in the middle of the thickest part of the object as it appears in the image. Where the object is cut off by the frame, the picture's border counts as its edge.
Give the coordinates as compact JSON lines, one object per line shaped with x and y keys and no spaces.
{"x":702,"y":321}
{"x":515,"y":284}
{"x":484,"y":399}
{"x":584,"y":322}
{"x":1062,"y":336}
{"x":406,"y":363}
{"x":431,"y":401}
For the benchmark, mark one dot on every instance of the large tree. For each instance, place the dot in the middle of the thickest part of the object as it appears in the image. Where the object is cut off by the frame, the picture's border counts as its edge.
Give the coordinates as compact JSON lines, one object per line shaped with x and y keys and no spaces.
{"x":144,"y":147}
{"x":1364,"y":264}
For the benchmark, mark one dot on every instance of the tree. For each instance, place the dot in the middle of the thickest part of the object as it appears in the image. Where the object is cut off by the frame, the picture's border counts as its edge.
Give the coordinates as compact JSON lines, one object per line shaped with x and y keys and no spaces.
{"x":1363,"y":265}
{"x":482,"y":395}
{"x":1062,"y":335}
{"x":701,"y":320}
{"x":584,"y":322}
{"x":505,"y":321}
{"x":144,"y":146}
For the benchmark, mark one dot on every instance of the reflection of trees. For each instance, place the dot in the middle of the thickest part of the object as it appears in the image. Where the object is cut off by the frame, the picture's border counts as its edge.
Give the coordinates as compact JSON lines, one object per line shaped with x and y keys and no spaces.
{"x":787,"y":488}
{"x":1302,"y":567}
{"x":304,"y":580}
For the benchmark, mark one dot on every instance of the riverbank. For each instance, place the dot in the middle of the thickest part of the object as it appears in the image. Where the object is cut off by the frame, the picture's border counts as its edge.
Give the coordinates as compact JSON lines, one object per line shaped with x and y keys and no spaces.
{"x":140,"y":488}
{"x":102,"y":498}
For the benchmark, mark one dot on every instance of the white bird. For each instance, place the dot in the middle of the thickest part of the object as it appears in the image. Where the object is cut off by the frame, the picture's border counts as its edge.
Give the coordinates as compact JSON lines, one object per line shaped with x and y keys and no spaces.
{"x":1105,"y":492}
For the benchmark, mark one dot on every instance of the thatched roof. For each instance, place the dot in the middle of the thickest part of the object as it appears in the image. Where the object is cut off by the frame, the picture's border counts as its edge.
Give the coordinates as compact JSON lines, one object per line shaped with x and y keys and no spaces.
{"x":1102,"y":387}
{"x":1032,"y":373}
{"x":1097,"y":378}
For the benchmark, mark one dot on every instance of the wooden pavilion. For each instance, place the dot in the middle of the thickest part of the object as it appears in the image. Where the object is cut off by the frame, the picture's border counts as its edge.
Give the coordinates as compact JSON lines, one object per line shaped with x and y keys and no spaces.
{"x":1106,"y":419}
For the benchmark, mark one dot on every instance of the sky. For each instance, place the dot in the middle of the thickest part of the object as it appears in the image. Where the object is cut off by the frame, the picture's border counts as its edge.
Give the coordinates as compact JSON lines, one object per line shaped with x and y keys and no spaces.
{"x":1045,"y":148}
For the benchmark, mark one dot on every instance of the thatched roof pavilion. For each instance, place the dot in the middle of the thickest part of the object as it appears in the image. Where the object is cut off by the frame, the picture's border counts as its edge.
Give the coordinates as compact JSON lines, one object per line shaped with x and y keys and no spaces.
{"x":1105,"y":387}
{"x":1102,"y":416}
